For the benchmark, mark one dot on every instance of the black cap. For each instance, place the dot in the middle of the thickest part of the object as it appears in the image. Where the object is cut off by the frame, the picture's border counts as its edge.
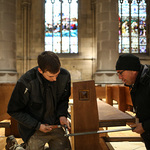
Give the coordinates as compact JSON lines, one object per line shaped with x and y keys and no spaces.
{"x":128,"y":62}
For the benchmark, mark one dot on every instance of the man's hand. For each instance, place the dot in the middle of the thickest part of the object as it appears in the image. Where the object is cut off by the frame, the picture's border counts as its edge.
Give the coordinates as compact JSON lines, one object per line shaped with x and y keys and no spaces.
{"x":45,"y":128}
{"x":138,"y":128}
{"x":64,"y":121}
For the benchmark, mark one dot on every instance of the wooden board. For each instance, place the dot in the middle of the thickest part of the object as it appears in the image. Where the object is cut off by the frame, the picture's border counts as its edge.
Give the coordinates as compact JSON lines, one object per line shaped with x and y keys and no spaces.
{"x":110,"y":116}
{"x":5,"y":94}
{"x":121,"y":94}
{"x":85,"y":115}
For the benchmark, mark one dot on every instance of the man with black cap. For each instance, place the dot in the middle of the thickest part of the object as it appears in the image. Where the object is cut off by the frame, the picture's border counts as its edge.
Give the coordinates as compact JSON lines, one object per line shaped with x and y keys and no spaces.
{"x":137,"y":77}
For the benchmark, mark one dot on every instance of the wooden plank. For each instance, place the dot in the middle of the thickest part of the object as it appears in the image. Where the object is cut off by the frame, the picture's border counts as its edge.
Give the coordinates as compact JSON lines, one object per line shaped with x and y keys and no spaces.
{"x":115,"y":92}
{"x":13,"y":129}
{"x":122,"y":99}
{"x":121,"y":94}
{"x":71,"y":96}
{"x":4,"y":115}
{"x":100,"y":92}
{"x":85,"y":120}
{"x":103,"y":144}
{"x":72,"y":128}
{"x":128,"y":96}
{"x":121,"y":139}
{"x":4,"y":124}
{"x":5,"y":94}
{"x":109,"y":98}
{"x":110,"y":116}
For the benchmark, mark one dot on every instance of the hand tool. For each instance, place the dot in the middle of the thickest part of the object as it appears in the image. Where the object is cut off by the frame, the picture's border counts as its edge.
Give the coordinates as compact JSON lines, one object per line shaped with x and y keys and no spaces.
{"x":97,"y":132}
{"x":55,"y":126}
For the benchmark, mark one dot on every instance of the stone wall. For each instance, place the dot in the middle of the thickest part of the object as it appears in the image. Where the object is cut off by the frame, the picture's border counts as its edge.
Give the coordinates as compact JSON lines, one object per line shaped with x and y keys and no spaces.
{"x":22,"y":39}
{"x":30,"y":39}
{"x":8,"y":41}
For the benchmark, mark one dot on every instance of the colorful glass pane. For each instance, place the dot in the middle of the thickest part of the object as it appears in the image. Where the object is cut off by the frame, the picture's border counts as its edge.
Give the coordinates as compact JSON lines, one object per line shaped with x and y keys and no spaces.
{"x":61,"y":23}
{"x":132,"y":26}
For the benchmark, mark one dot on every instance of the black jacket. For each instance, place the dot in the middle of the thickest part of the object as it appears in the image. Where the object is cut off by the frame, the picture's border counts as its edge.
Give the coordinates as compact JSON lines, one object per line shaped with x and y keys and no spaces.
{"x":27,"y":103}
{"x":140,"y":95}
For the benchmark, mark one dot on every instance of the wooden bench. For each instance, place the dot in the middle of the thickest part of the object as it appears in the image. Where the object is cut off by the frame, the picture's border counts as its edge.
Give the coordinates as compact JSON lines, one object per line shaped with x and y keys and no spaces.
{"x":5,"y":94}
{"x":121,"y":94}
{"x":109,"y":92}
{"x":89,"y":114}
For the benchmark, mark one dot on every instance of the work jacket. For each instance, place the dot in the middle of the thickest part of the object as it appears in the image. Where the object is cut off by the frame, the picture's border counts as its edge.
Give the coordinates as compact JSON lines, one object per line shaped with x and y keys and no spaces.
{"x":140,"y":95}
{"x":27,"y":103}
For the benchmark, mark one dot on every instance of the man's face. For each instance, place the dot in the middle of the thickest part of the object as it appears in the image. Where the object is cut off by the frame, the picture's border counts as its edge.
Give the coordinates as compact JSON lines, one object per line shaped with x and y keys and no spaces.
{"x":48,"y":75}
{"x":128,"y":77}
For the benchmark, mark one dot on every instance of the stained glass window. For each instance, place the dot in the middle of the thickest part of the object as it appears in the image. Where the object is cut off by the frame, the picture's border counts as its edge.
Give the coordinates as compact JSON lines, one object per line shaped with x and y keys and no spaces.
{"x":132,"y":26}
{"x":61,"y":26}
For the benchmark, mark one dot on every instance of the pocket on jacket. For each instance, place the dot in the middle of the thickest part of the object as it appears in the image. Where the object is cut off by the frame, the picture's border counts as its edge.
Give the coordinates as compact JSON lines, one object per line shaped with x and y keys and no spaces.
{"x":36,"y":106}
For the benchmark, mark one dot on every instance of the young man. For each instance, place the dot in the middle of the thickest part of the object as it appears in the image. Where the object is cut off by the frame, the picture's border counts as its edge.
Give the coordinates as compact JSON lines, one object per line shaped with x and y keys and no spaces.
{"x":137,"y":77}
{"x":39,"y":101}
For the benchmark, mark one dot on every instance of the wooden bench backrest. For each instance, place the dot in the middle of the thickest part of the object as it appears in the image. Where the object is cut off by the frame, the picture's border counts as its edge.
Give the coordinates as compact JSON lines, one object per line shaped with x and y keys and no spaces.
{"x":5,"y":94}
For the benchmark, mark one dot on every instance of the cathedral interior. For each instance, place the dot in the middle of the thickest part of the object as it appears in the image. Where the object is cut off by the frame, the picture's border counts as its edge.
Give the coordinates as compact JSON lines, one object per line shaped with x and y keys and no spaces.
{"x":87,"y":35}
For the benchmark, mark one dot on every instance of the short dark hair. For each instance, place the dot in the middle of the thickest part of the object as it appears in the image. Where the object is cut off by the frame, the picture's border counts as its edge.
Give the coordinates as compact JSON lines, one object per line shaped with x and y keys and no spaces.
{"x":49,"y":61}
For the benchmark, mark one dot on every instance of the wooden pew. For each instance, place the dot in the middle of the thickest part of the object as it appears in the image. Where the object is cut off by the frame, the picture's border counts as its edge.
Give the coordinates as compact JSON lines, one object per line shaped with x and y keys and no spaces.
{"x":121,"y":94}
{"x":5,"y":94}
{"x":10,"y":126}
{"x":110,"y":116}
{"x":114,"y":92}
{"x":85,"y":116}
{"x":100,"y":92}
{"x":110,"y":92}
{"x":90,"y":114}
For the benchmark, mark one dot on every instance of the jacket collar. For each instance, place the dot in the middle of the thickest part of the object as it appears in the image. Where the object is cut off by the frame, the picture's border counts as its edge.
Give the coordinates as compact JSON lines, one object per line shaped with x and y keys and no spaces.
{"x":143,"y":76}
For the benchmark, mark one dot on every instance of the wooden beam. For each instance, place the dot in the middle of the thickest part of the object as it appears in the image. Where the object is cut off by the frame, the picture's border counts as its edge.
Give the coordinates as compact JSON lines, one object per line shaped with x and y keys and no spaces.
{"x":120,"y":139}
{"x":4,"y":124}
{"x":103,"y":144}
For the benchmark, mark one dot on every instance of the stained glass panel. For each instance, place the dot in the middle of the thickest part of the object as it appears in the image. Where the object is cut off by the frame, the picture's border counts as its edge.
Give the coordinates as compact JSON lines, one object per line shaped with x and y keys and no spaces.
{"x":61,"y":26}
{"x":142,"y":26}
{"x":132,"y":26}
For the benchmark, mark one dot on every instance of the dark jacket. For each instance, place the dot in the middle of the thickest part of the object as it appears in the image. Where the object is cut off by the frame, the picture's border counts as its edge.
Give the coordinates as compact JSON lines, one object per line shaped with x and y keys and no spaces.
{"x":27,"y":103}
{"x":140,"y":95}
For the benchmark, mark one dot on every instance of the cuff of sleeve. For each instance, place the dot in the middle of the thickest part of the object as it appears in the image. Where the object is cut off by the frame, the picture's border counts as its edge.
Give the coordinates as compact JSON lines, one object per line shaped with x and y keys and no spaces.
{"x":62,"y":115}
{"x":146,"y":125}
{"x":38,"y":126}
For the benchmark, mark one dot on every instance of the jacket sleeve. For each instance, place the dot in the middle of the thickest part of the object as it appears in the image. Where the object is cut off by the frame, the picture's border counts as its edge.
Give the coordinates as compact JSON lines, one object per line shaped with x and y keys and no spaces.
{"x":17,"y":106}
{"x":62,"y":108}
{"x":146,"y":125}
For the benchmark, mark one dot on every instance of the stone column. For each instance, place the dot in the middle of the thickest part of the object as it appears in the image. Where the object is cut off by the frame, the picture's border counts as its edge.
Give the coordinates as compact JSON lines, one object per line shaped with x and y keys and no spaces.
{"x":26,"y":22}
{"x":8,"y":72}
{"x":107,"y":41}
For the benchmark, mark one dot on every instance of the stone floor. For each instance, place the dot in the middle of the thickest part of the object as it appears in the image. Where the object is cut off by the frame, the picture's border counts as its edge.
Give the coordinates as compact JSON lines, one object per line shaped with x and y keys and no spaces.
{"x":126,"y":146}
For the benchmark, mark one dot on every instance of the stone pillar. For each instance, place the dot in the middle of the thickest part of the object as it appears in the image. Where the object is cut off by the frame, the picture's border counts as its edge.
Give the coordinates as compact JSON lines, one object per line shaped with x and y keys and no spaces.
{"x":8,"y":72}
{"x":26,"y":22}
{"x":107,"y":41}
